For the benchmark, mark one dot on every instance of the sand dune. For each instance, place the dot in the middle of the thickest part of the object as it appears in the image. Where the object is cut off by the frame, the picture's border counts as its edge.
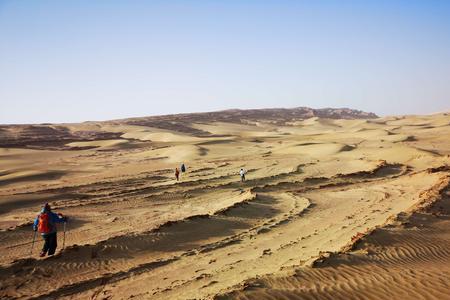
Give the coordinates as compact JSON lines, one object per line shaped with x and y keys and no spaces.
{"x":159,"y":136}
{"x":105,"y":144}
{"x":332,"y":208}
{"x":408,"y":259}
{"x":315,"y":150}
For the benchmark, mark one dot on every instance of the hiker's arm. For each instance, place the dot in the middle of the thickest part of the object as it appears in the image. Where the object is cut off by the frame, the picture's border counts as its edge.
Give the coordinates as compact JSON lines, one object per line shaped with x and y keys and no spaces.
{"x":35,"y":223}
{"x":58,"y":218}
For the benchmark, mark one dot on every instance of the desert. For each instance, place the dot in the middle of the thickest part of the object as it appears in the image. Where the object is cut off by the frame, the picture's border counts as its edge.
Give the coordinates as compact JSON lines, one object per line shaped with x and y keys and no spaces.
{"x":336,"y":204}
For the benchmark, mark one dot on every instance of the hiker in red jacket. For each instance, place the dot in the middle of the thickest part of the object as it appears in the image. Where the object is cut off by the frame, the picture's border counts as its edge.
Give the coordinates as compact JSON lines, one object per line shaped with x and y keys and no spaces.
{"x":45,"y":224}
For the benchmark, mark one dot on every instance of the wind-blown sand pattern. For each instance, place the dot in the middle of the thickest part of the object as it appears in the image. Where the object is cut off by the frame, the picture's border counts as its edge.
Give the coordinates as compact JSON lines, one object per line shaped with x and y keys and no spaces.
{"x":337,"y":204}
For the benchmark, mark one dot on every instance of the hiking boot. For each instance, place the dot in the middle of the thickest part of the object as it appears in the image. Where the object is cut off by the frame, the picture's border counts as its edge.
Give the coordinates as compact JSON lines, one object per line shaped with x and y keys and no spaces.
{"x":42,"y":254}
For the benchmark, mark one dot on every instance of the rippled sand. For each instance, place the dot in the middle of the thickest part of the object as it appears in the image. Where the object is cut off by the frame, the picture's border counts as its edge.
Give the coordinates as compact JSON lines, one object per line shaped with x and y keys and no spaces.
{"x":331,"y":208}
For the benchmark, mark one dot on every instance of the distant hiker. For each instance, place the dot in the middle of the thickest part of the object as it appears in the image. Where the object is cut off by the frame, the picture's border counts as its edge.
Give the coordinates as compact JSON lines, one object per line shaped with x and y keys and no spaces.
{"x":177,"y":174}
{"x":183,"y":168}
{"x":45,"y":224}
{"x":242,"y":172}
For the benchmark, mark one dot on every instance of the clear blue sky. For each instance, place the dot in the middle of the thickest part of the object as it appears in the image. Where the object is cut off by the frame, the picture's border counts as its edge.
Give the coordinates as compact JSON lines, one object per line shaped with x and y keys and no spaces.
{"x":70,"y":61}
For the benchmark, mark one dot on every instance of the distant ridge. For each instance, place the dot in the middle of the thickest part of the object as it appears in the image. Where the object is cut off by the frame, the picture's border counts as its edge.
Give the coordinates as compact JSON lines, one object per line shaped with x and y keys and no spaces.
{"x":56,"y":134}
{"x":274,"y":115}
{"x":281,"y":114}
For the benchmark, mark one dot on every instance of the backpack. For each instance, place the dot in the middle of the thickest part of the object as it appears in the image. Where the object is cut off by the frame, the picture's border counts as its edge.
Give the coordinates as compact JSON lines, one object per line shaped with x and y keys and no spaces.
{"x":45,"y":225}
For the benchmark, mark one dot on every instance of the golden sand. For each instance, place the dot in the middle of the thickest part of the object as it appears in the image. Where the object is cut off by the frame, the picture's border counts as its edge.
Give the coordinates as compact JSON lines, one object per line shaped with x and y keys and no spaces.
{"x":331,"y":208}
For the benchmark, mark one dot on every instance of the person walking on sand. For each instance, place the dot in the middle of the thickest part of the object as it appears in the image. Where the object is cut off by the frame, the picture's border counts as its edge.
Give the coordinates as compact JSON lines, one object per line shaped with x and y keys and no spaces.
{"x":177,"y":174}
{"x":242,"y":173}
{"x":183,"y":168}
{"x":45,"y":224}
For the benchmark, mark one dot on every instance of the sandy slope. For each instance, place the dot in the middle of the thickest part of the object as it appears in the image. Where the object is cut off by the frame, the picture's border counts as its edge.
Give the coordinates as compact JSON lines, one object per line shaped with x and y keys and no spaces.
{"x":311,"y":186}
{"x":407,"y":259}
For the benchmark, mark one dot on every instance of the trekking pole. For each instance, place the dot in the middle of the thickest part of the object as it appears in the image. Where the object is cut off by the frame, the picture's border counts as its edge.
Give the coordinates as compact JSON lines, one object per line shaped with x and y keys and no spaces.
{"x":32,"y":244}
{"x":64,"y":236}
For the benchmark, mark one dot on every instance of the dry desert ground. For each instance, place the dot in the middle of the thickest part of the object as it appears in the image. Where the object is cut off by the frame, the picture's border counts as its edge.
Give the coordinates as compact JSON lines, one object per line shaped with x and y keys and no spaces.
{"x":334,"y":206}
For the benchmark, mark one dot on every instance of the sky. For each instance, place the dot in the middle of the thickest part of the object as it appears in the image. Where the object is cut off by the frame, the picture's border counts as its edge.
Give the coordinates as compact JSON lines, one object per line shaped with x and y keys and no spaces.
{"x":73,"y":61}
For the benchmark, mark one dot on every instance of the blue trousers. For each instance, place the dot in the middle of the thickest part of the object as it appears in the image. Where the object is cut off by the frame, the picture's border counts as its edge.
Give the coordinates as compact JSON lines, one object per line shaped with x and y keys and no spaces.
{"x":50,"y":243}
